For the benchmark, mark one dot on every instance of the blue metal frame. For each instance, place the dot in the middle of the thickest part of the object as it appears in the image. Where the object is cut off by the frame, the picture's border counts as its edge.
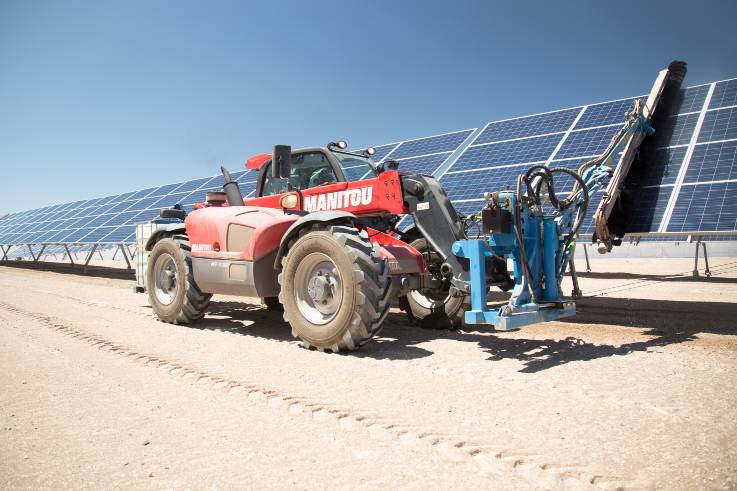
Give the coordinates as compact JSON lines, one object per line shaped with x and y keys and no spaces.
{"x":537,"y":296}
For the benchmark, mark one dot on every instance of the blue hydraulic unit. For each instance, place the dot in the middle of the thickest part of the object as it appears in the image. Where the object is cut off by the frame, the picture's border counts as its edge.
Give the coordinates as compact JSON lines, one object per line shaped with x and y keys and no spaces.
{"x":536,"y":229}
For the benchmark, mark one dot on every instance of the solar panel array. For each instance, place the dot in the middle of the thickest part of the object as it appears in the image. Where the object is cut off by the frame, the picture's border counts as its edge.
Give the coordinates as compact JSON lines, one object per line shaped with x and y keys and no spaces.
{"x":689,"y":185}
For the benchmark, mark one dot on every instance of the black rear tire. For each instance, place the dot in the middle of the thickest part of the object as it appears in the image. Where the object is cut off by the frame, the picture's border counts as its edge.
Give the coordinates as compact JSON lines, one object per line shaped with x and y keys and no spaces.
{"x":172,"y":291}
{"x":337,"y":261}
{"x":441,"y":311}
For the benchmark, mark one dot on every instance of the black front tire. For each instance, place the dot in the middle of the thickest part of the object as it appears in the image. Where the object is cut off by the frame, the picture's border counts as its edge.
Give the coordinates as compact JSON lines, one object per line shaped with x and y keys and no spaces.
{"x":364,"y":288}
{"x":172,"y":291}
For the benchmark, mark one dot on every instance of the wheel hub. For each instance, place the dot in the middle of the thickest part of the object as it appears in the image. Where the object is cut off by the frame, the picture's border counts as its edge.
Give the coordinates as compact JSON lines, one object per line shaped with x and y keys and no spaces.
{"x":165,"y":288}
{"x":318,"y":288}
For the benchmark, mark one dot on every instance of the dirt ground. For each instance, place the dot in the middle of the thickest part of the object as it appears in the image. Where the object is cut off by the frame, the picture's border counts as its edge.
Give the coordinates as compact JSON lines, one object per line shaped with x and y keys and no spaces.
{"x":636,"y":391}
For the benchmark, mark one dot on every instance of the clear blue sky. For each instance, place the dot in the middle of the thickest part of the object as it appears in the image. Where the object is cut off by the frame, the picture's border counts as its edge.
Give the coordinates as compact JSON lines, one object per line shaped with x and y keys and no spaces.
{"x":102,"y":97}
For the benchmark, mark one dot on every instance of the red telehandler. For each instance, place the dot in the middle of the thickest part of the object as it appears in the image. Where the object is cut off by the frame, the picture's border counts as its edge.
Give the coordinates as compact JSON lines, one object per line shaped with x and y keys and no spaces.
{"x":319,"y":240}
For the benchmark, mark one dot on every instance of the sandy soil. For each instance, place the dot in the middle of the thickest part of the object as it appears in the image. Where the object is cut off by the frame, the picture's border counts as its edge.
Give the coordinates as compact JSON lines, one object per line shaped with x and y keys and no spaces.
{"x":636,"y":391}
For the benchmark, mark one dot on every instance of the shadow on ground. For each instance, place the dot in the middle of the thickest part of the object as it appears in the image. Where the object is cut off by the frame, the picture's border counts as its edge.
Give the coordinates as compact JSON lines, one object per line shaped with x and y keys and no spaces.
{"x":74,"y":269}
{"x":659,"y":322}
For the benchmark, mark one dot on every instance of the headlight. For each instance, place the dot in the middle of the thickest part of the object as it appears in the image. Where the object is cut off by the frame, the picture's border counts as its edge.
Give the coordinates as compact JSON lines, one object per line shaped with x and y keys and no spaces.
{"x":288,"y":201}
{"x":370,"y":150}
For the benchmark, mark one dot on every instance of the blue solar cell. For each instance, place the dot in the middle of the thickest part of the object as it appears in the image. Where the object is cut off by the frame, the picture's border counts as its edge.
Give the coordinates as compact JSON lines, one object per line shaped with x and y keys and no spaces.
{"x":725,"y":94}
{"x":142,"y":204}
{"x":473,"y":185}
{"x":433,"y":144}
{"x":677,"y":130}
{"x":539,"y":124}
{"x":109,"y":200}
{"x":97,"y":234}
{"x":423,"y":165}
{"x":647,"y":209}
{"x":247,"y":188}
{"x":690,"y":100}
{"x":195,"y":184}
{"x":100,"y":220}
{"x":587,"y":227}
{"x":120,"y":207}
{"x":720,"y":124}
{"x":249,"y":175}
{"x":165,"y":189}
{"x":507,"y":153}
{"x":66,"y":214}
{"x":199,"y":196}
{"x":713,"y":162}
{"x":586,"y":142}
{"x":144,"y":216}
{"x":169,"y":201}
{"x":605,"y":113}
{"x":126,"y":233}
{"x":705,"y":207}
{"x":142,"y":193}
{"x":124,"y":218}
{"x":76,"y":235}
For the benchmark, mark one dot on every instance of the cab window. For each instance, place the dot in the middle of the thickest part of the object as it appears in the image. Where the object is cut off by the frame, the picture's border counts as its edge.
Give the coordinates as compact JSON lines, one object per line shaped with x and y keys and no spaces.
{"x":308,"y":171}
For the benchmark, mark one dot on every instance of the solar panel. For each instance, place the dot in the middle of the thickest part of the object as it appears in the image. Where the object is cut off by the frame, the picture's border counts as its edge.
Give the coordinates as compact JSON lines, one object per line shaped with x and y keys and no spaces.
{"x":511,"y":129}
{"x":606,"y":113}
{"x":710,"y":206}
{"x":725,"y":94}
{"x":434,"y":144}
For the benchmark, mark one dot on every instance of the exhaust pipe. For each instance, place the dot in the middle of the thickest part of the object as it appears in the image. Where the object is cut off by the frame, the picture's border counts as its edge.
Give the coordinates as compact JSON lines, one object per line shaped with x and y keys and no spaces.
{"x":232,"y":191}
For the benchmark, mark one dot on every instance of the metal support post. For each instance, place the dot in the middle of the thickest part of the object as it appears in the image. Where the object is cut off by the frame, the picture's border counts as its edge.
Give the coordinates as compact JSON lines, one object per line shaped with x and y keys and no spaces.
{"x":707,"y":272}
{"x":125,"y":256}
{"x":576,"y":293}
{"x":695,"y":271}
{"x":115,"y":254}
{"x":69,"y":254}
{"x":89,"y":256}
{"x":5,"y":252}
{"x":30,"y":249}
{"x":132,"y":254}
{"x":35,"y":259}
{"x":586,"y":253}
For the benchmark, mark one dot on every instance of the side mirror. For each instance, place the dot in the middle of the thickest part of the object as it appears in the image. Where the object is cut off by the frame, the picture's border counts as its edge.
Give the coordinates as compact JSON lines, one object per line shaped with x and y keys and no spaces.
{"x":281,"y":162}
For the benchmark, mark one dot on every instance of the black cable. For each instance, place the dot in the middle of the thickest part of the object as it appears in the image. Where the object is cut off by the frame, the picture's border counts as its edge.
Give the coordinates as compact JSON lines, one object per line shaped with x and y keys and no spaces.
{"x":518,"y":234}
{"x":581,"y":216}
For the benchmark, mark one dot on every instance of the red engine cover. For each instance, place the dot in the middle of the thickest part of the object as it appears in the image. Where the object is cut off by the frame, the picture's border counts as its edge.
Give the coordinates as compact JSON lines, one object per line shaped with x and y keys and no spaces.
{"x":207,"y":229}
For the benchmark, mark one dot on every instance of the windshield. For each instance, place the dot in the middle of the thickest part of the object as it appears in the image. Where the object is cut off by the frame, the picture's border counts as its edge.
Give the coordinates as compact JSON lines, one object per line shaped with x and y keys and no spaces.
{"x":355,"y":167}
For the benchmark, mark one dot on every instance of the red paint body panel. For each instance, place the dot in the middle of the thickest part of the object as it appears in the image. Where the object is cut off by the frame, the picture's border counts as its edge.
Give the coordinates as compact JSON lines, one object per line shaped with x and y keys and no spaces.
{"x":207,"y":229}
{"x":383,"y":194}
{"x":397,"y":252}
{"x":255,"y":162}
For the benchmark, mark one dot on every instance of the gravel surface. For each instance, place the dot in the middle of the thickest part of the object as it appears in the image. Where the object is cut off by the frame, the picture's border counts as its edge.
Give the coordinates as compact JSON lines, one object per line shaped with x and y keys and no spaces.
{"x":636,"y":391}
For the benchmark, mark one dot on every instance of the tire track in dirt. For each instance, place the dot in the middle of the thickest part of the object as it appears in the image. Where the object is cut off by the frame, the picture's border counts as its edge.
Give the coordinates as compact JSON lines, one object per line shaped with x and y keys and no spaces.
{"x":450,"y":447}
